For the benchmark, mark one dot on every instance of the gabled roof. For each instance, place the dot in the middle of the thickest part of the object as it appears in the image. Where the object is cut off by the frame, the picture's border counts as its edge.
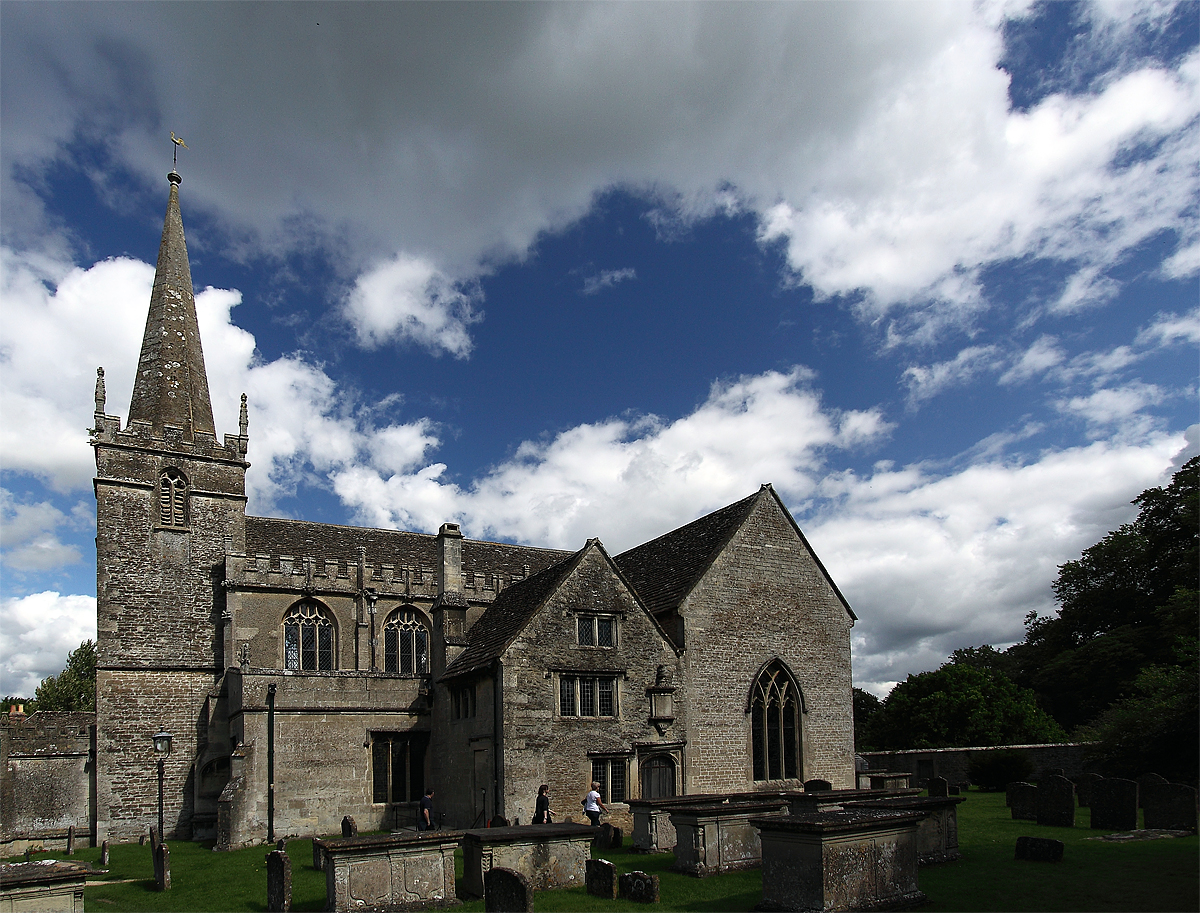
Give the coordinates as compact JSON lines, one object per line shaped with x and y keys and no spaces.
{"x":664,"y":570}
{"x":505,"y":618}
{"x":269,"y":535}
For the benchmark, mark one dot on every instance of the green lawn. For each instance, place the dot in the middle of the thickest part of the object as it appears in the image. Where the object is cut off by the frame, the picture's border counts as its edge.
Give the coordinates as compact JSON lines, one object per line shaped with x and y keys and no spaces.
{"x":1094,"y":875}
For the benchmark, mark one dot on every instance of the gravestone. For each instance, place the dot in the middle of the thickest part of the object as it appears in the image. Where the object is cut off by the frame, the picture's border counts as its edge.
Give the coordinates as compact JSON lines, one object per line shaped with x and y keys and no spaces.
{"x":71,"y":840}
{"x":1083,"y":788}
{"x":1147,"y":783}
{"x":156,"y":856}
{"x":955,"y":791}
{"x":639,"y":887}
{"x":604,"y":836}
{"x":618,"y":838}
{"x":1171,"y":807}
{"x":600,"y":876}
{"x":318,"y":855}
{"x":1023,"y":799}
{"x":817,"y":786}
{"x":104,"y":854}
{"x":498,"y":821}
{"x":162,"y":868}
{"x":349,"y":827}
{"x":154,"y":839}
{"x":1054,"y":772}
{"x":281,"y":845}
{"x":279,"y":882}
{"x":1039,"y":849}
{"x":506,"y":891}
{"x":1114,"y":805}
{"x":1056,"y":802}
{"x":939,"y":787}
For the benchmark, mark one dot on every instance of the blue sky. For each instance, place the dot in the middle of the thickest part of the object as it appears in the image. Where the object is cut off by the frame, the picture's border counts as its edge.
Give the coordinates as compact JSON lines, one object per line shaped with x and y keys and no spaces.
{"x":557,"y":271}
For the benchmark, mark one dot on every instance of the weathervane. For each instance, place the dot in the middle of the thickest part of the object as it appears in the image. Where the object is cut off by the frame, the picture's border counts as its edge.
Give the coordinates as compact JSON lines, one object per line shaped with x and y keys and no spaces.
{"x":175,"y":152}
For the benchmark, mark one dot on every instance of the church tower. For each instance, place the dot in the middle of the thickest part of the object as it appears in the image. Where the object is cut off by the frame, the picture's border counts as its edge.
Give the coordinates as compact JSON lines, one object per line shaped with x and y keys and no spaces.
{"x":170,"y":504}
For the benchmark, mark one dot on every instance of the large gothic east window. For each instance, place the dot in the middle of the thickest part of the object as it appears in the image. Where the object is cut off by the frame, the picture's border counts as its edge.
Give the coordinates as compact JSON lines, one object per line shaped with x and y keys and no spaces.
{"x":775,"y":705}
{"x":309,"y":638}
{"x":405,"y":643}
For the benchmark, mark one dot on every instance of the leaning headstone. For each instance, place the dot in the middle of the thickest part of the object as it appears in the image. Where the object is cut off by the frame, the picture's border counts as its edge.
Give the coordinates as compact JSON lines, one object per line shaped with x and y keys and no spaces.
{"x":600,"y":876}
{"x":279,"y":882}
{"x":318,"y":855}
{"x":281,"y":845}
{"x":1022,"y":798}
{"x":603,"y":839}
{"x":1056,"y":802}
{"x":71,"y":840}
{"x":349,"y":828}
{"x":939,"y":787}
{"x":1039,"y":849}
{"x":817,"y":786}
{"x":1171,"y":807}
{"x":506,"y":891}
{"x":104,"y":854}
{"x":162,"y":868}
{"x":1083,"y":788}
{"x":155,"y":839}
{"x":639,"y":887}
{"x":1114,"y":805}
{"x":1147,"y":783}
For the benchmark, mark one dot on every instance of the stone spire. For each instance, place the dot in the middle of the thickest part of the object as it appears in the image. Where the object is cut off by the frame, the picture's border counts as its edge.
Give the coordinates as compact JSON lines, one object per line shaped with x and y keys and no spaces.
{"x":171,"y":387}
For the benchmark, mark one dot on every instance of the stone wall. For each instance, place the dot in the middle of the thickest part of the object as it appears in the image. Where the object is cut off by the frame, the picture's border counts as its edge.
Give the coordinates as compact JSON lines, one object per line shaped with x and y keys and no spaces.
{"x":46,"y":764}
{"x":953,"y":764}
{"x":540,"y":744}
{"x":765,"y":596}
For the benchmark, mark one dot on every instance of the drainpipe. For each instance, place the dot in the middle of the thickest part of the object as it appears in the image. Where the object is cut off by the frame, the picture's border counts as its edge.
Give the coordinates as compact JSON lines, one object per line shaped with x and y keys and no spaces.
{"x":498,"y":738}
{"x":271,"y":763}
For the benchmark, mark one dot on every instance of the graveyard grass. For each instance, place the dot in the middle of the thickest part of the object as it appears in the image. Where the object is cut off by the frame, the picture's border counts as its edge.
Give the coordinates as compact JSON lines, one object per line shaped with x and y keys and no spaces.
{"x":1097,"y":875}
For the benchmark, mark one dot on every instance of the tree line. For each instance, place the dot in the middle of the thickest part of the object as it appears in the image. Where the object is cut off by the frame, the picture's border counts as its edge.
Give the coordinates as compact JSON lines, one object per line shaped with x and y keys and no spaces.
{"x":1115,"y":665}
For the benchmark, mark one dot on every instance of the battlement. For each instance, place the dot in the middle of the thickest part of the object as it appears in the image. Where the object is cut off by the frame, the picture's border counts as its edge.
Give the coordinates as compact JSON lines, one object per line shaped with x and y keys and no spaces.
{"x":141,"y":436}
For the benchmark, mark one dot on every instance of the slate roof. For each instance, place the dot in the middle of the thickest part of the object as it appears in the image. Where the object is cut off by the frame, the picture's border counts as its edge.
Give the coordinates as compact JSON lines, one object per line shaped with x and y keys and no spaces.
{"x":271,"y":536}
{"x":664,"y":570}
{"x":505,"y":618}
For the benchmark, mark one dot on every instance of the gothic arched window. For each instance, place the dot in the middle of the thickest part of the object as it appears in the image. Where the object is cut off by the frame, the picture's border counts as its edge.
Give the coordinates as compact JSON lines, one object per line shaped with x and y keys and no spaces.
{"x":309,"y":638}
{"x":405,"y":643}
{"x":775,"y":705}
{"x":172,"y":498}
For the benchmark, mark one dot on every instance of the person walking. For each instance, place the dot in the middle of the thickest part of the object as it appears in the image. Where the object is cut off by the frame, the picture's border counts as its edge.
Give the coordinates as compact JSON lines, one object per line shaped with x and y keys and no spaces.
{"x":425,"y":816}
{"x":592,"y":806}
{"x":541,"y":814}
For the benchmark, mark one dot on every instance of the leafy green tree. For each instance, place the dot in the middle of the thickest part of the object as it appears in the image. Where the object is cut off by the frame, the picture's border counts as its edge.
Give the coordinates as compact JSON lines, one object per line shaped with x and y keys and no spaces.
{"x":12,"y":700}
{"x":1118,"y":612}
{"x":866,"y":707}
{"x":960,"y":705}
{"x":75,"y":687}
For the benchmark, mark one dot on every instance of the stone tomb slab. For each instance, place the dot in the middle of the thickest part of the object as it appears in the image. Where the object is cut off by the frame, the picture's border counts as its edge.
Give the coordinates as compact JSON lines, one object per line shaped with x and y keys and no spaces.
{"x":937,"y":834}
{"x":856,"y":859}
{"x":412,"y":870}
{"x":548,"y":855}
{"x":720,"y":838}
{"x":52,"y":887}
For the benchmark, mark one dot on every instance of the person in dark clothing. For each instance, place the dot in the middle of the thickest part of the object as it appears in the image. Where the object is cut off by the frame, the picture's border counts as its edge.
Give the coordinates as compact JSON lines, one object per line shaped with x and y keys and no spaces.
{"x":541,"y":814}
{"x":425,"y":817}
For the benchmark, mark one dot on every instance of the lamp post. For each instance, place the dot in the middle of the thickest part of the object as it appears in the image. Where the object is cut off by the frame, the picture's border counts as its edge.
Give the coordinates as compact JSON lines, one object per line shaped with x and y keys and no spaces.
{"x":162,"y":748}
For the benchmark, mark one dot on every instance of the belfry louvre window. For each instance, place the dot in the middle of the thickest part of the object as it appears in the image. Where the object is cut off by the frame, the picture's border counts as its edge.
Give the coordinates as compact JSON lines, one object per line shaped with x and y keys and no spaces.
{"x":585,"y":695}
{"x":775,"y":718}
{"x":308,"y":638}
{"x":172,"y":498}
{"x":398,"y":766}
{"x":596,"y":631}
{"x":405,"y":643}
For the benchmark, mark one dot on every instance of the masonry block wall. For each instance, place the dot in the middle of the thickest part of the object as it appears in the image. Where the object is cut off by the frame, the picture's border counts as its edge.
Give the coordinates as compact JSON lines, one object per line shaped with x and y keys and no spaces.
{"x":765,"y":597}
{"x":954,"y":764}
{"x":46,"y":767}
{"x":540,"y":744}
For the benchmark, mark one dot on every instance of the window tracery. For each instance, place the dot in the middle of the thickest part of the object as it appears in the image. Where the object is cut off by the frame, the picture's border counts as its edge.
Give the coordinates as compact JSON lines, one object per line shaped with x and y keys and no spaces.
{"x":172,"y":498}
{"x":405,"y":643}
{"x":309,"y":638}
{"x":775,"y":705}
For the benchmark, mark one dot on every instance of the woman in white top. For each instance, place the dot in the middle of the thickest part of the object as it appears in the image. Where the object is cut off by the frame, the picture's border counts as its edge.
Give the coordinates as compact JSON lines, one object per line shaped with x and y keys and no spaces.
{"x":592,"y":805}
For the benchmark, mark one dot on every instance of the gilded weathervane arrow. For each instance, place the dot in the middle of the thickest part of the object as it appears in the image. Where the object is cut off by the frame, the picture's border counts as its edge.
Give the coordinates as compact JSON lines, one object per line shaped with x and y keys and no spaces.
{"x":175,"y":152}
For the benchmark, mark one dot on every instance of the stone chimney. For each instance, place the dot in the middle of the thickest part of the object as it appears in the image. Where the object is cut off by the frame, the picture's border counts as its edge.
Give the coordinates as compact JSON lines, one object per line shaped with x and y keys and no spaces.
{"x":449,"y":566}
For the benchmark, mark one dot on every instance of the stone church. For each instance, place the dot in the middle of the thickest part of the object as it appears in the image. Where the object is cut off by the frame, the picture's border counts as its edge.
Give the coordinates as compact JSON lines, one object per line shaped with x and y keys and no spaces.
{"x":308,"y":671}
